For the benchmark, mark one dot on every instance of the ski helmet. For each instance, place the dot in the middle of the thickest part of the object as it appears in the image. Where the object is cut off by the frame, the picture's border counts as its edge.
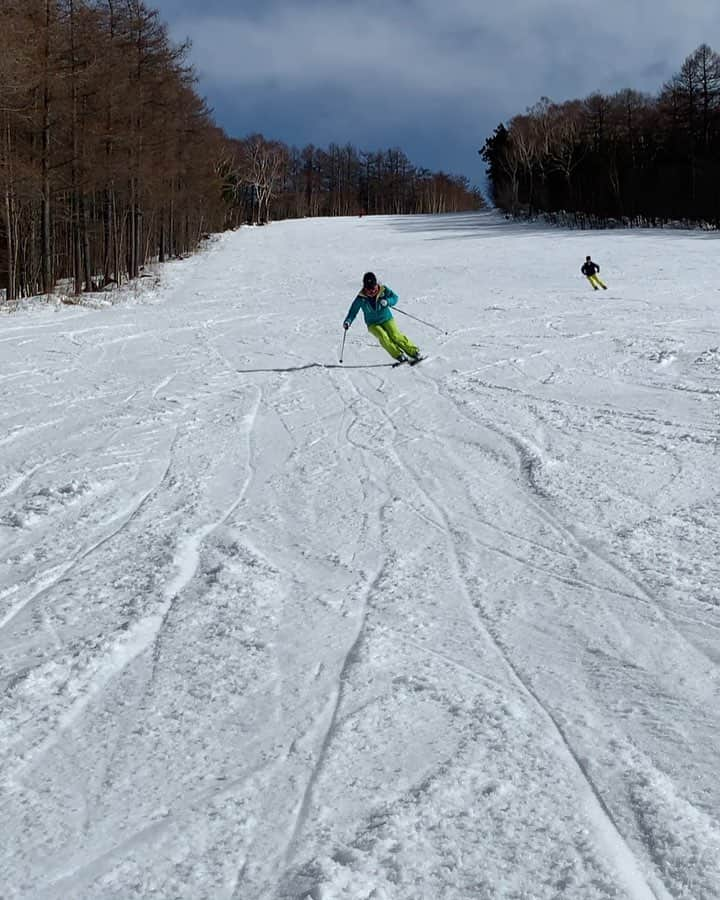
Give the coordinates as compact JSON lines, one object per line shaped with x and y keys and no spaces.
{"x":369,"y":280}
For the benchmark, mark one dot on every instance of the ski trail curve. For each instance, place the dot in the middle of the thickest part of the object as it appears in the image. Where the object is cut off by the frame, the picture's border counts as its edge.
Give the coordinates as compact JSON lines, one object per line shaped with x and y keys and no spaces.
{"x":336,"y":699}
{"x":628,"y":871}
{"x":142,"y":634}
{"x":55,"y":576}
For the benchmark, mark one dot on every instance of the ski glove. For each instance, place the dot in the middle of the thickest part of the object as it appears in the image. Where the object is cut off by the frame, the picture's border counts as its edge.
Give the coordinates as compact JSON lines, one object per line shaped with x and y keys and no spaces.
{"x":346,"y":325}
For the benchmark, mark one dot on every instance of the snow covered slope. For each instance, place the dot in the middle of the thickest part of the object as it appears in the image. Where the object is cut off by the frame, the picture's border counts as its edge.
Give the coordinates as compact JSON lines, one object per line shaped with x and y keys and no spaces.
{"x":445,"y":632}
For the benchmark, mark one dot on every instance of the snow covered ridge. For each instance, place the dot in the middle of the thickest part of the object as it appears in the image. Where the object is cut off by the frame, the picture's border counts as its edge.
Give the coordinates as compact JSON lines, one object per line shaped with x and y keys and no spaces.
{"x":581,"y":220}
{"x":270,"y":630}
{"x":144,"y":289}
{"x":140,"y":290}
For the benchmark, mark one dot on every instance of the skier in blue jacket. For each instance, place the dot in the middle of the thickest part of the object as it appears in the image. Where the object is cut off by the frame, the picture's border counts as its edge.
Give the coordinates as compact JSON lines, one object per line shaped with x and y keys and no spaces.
{"x":375,"y":301}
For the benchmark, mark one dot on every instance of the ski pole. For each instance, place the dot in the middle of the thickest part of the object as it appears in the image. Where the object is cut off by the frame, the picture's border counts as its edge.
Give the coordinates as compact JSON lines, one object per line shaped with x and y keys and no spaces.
{"x":342,"y":349}
{"x":430,"y":324}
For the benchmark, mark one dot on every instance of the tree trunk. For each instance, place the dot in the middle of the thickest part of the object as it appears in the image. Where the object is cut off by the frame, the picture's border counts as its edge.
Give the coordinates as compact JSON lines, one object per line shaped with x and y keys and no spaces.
{"x":85,"y":245}
{"x":161,"y":248}
{"x":45,"y":218}
{"x":10,"y":249}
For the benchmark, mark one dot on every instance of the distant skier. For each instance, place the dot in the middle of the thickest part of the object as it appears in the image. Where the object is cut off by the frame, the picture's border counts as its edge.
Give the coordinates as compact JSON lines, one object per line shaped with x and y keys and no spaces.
{"x":375,"y":301}
{"x":590,"y":270}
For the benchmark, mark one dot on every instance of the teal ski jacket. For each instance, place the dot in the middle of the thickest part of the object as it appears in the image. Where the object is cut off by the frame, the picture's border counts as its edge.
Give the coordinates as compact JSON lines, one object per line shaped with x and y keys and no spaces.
{"x":375,"y":309}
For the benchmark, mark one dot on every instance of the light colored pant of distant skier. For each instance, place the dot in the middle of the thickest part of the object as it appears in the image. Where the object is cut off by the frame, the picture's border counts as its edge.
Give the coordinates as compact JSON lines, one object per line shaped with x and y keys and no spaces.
{"x":393,"y":340}
{"x":595,"y":281}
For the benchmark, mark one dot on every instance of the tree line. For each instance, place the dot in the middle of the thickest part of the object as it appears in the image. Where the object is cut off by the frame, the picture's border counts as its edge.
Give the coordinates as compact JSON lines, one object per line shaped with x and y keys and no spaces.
{"x":105,"y":147}
{"x":268,"y":179}
{"x":630,"y":157}
{"x":109,"y":158}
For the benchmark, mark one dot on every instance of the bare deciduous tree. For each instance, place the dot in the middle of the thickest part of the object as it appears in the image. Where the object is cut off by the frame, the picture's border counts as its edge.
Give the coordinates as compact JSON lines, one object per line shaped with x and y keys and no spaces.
{"x":629,"y":156}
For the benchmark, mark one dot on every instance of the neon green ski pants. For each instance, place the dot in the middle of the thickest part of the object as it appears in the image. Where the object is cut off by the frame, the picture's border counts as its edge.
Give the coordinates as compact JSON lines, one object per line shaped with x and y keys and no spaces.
{"x":393,"y":340}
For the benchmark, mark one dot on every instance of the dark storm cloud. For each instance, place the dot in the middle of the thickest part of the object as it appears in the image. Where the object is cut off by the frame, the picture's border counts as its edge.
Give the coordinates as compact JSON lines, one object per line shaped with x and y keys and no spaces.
{"x":433,"y":78}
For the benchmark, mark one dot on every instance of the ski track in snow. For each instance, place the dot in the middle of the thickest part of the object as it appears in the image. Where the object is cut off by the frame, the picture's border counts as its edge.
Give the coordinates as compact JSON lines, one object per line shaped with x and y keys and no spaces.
{"x":50,"y":579}
{"x":606,"y":828}
{"x":530,"y":467}
{"x":275,"y":627}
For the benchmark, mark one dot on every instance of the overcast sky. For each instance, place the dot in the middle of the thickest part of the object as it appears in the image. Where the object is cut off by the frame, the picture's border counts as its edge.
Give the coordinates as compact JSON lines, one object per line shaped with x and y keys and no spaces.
{"x":433,"y":77}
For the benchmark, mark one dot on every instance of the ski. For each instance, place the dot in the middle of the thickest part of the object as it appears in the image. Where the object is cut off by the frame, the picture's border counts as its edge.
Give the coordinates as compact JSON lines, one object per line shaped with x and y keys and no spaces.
{"x":410,"y":362}
{"x":316,"y":365}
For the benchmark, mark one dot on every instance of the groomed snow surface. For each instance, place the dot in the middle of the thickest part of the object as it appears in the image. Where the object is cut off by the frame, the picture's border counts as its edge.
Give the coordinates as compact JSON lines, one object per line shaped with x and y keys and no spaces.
{"x":270,"y":632}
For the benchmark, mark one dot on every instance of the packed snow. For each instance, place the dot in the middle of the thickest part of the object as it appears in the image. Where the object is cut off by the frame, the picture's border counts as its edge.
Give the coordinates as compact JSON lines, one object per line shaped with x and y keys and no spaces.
{"x":274,"y":630}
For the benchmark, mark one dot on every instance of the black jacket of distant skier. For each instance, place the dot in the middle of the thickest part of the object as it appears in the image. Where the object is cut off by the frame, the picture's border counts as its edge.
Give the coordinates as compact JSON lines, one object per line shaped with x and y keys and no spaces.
{"x":590,"y":268}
